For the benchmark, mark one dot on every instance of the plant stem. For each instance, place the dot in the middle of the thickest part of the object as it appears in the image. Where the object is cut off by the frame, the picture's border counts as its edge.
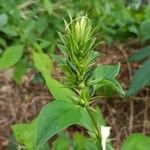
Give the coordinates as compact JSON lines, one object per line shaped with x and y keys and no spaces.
{"x":94,"y":122}
{"x":97,"y":131}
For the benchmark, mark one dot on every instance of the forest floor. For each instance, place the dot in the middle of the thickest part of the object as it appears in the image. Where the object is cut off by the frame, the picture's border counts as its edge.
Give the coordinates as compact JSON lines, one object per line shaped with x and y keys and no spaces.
{"x":21,"y":103}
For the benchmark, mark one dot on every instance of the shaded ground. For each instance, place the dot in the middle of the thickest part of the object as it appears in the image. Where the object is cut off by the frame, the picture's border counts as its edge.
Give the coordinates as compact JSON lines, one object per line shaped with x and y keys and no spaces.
{"x":22,"y":103}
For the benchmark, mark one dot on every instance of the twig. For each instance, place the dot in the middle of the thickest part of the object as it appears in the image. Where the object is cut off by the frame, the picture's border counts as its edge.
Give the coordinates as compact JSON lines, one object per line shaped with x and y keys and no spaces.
{"x":131,"y":119}
{"x":145,"y":115}
{"x":26,"y":4}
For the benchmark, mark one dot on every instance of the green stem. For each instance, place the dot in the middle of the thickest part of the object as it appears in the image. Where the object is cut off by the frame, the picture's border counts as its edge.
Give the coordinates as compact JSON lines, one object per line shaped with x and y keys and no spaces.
{"x":84,"y":98}
{"x":94,"y":122}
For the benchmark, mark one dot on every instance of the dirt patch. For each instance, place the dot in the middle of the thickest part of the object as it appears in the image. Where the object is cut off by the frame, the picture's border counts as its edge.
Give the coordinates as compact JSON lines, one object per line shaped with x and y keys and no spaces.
{"x":19,"y":104}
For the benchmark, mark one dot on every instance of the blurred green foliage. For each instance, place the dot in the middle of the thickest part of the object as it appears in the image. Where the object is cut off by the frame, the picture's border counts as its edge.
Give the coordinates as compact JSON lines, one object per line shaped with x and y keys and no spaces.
{"x":136,"y":141}
{"x":28,"y":22}
{"x":141,"y":77}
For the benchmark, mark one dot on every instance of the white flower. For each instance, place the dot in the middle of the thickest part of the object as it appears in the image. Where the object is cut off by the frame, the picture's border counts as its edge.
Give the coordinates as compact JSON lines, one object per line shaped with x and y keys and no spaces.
{"x":105,"y":132}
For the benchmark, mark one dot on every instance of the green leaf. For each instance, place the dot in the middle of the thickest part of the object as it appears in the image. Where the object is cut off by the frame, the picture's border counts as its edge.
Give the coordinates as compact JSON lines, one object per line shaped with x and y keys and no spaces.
{"x":147,"y":12}
{"x":115,"y":85}
{"x":109,"y":85}
{"x":145,"y":30}
{"x":2,"y":42}
{"x":58,"y":91}
{"x":60,"y":60}
{"x":141,"y":55}
{"x":48,"y":6}
{"x":106,"y":71}
{"x":140,"y":79}
{"x":25,"y":134}
{"x":3,"y":19}
{"x":84,"y":143}
{"x":20,"y":70}
{"x":104,"y":78}
{"x":62,"y":142}
{"x":92,"y":56}
{"x":54,"y":117}
{"x":42,"y":24}
{"x":58,"y":115}
{"x":136,"y":142}
{"x":9,"y":30}
{"x":11,"y":56}
{"x":86,"y":121}
{"x":28,"y":31}
{"x":42,"y":63}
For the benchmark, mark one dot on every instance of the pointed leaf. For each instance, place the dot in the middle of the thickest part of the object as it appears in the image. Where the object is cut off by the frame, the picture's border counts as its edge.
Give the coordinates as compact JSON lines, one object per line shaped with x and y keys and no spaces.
{"x":141,"y":55}
{"x":20,"y":70}
{"x":145,"y":30}
{"x":42,"y":63}
{"x":140,"y":78}
{"x":55,"y":117}
{"x":58,"y":115}
{"x":112,"y":83}
{"x":58,"y":91}
{"x":115,"y":85}
{"x":107,"y":71}
{"x":60,"y":60}
{"x":11,"y":56}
